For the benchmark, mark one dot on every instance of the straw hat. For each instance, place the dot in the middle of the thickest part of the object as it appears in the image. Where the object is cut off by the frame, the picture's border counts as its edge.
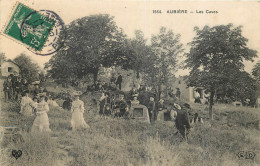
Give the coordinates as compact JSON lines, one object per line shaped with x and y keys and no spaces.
{"x":77,"y":93}
{"x":177,"y":106}
{"x":42,"y":94}
{"x":135,"y":95}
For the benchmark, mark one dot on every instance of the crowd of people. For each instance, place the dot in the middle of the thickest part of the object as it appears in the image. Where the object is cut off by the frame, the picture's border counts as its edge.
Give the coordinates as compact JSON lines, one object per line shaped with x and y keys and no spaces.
{"x":153,"y":110}
{"x":114,"y":84}
{"x":13,"y":87}
{"x":113,"y":102}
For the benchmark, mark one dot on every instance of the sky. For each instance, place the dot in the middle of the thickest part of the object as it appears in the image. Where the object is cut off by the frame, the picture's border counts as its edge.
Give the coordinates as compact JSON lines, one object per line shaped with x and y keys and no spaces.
{"x":133,"y":15}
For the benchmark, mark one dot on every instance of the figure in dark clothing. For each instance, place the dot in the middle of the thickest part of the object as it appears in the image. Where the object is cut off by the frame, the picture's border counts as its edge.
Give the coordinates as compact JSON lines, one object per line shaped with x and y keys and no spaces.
{"x":105,"y":86}
{"x":112,"y":102}
{"x":17,"y":89}
{"x":178,"y":93}
{"x":36,"y":90}
{"x":100,"y":87}
{"x":197,"y":97}
{"x":119,"y":81}
{"x":8,"y":88}
{"x":182,"y":121}
{"x":170,"y":93}
{"x":14,"y":80}
{"x":112,"y":79}
{"x":121,"y":105}
{"x":162,"y":109}
{"x":107,"y":107}
{"x":196,"y":119}
{"x":112,"y":87}
{"x":151,"y":109}
{"x":95,"y":86}
{"x":133,"y":92}
{"x":25,"y":85}
{"x":67,"y":103}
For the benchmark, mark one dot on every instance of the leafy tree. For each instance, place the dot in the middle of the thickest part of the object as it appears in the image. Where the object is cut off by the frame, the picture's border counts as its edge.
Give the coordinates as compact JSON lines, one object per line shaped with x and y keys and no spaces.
{"x":256,"y":71}
{"x":256,"y":74}
{"x":165,"y":48}
{"x":239,"y":86}
{"x":92,"y":42}
{"x":215,"y":54}
{"x":29,"y":69}
{"x":136,"y":51}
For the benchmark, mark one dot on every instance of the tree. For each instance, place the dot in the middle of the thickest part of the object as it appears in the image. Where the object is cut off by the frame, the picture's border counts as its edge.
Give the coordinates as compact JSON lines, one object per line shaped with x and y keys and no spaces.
{"x":137,"y":52}
{"x":91,"y":42}
{"x":165,"y":48}
{"x":256,"y":74}
{"x":215,"y":55}
{"x":28,"y":69}
{"x":256,"y":71}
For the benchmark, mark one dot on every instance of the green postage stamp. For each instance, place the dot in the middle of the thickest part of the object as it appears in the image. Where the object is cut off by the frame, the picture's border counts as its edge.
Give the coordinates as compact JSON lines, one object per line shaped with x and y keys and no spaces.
{"x":29,"y":27}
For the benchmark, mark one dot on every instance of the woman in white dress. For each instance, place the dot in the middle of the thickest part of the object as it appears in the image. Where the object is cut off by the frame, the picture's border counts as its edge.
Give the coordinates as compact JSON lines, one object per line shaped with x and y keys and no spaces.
{"x":26,"y":105}
{"x":77,"y":109}
{"x":41,"y":122}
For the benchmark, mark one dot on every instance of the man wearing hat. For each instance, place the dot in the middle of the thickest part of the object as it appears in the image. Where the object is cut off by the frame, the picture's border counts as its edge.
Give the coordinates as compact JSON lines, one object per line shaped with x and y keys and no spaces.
{"x":8,"y":88}
{"x":182,"y":120}
{"x":151,"y":108}
{"x":122,"y":106}
{"x":17,"y":88}
{"x":119,"y":80}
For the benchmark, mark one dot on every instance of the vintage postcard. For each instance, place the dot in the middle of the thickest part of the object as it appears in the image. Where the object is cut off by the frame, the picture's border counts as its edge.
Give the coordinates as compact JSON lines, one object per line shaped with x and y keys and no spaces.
{"x":129,"y":83}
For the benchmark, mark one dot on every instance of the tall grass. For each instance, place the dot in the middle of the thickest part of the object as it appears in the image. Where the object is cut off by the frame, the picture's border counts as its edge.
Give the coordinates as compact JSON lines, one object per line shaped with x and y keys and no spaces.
{"x":38,"y":150}
{"x":114,"y":141}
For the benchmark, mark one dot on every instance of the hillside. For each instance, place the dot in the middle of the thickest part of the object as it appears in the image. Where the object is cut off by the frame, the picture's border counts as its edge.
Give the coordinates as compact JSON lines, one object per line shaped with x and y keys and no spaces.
{"x":114,"y":141}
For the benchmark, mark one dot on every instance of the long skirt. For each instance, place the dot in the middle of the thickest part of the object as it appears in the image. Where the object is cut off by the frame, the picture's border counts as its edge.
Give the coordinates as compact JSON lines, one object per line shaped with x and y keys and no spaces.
{"x":77,"y":121}
{"x":41,"y":123}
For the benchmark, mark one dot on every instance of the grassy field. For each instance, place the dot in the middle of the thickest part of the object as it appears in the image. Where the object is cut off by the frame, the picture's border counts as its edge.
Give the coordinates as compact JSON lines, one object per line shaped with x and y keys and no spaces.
{"x":126,"y":142}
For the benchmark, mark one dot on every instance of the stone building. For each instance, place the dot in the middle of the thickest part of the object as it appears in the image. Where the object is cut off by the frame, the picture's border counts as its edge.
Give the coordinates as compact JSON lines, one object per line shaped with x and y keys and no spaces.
{"x":187,"y":93}
{"x":9,"y":67}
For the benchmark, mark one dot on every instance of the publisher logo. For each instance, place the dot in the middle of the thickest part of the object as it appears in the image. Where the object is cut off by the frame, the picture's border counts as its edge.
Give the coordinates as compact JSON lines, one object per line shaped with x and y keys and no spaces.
{"x":246,"y":155}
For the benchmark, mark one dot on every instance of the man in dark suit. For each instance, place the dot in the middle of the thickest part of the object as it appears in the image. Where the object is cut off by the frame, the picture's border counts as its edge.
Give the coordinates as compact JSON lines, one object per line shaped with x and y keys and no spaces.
{"x":119,"y":81}
{"x":151,"y":108}
{"x":121,"y":105}
{"x":182,"y":120}
{"x":8,"y":88}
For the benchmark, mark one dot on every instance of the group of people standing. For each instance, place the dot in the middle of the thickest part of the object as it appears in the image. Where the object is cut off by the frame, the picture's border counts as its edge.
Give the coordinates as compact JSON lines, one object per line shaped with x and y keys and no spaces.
{"x":114,"y":84}
{"x":109,"y":104}
{"x":34,"y":102}
{"x":13,"y":87}
{"x":39,"y":107}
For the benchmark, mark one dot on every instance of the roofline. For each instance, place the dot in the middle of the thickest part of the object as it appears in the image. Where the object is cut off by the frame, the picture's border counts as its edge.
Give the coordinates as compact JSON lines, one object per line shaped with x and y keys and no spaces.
{"x":9,"y":60}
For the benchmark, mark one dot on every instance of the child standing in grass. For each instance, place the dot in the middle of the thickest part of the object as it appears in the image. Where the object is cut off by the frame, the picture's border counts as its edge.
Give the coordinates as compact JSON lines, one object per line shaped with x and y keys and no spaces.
{"x":41,"y":122}
{"x":77,"y":109}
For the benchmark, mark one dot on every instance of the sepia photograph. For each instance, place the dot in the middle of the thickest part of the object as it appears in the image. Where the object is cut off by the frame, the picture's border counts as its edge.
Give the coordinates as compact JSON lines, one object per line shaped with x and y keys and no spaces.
{"x":129,"y":83}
